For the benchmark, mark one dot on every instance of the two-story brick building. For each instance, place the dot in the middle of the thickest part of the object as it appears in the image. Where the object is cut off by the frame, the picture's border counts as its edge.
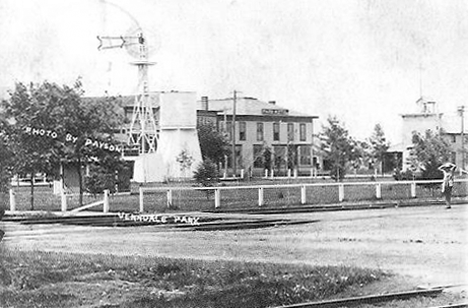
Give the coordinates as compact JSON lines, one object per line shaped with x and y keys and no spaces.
{"x":267,"y":136}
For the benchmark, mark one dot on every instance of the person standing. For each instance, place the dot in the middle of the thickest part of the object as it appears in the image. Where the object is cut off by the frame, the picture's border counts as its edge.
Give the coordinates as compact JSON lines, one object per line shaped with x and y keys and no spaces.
{"x":447,"y":183}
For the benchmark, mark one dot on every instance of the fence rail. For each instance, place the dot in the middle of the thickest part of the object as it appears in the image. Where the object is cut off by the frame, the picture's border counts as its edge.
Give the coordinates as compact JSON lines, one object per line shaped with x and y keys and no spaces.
{"x":294,"y":194}
{"x":156,"y":199}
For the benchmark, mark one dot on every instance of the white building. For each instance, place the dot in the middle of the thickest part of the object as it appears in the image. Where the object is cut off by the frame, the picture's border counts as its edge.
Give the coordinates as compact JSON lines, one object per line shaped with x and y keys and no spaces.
{"x":427,"y":117}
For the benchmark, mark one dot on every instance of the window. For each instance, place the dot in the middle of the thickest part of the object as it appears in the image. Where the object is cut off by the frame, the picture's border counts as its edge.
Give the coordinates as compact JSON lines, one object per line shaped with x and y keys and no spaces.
{"x":302,"y":132}
{"x":259,"y":131}
{"x":304,"y":153}
{"x":290,"y":131}
{"x":242,"y":131}
{"x":276,"y":131}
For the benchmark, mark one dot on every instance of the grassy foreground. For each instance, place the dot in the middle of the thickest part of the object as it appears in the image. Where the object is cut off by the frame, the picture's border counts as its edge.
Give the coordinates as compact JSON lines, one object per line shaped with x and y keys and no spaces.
{"x":42,"y":279}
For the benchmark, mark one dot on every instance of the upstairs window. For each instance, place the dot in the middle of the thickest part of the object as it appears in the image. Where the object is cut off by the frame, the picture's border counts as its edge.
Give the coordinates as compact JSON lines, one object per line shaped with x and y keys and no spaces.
{"x":276,"y":131}
{"x":302,"y":132}
{"x":242,"y":131}
{"x":290,"y":131}
{"x":259,"y":131}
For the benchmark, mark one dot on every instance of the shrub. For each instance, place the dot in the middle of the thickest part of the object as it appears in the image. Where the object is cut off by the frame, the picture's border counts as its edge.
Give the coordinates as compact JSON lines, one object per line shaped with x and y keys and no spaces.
{"x":206,"y":174}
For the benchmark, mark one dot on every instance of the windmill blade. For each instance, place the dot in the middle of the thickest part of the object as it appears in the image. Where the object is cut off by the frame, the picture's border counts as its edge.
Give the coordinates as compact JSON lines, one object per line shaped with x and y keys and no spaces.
{"x":147,"y":40}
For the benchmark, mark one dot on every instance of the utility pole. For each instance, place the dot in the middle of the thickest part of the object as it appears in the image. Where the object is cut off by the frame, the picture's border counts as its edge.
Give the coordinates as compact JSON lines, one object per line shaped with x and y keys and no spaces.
{"x":461,"y":111}
{"x":233,"y":137}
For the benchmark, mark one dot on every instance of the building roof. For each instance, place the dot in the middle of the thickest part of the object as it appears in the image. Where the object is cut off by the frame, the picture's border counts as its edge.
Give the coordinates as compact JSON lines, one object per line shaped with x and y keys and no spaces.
{"x":249,"y":106}
{"x":244,"y":105}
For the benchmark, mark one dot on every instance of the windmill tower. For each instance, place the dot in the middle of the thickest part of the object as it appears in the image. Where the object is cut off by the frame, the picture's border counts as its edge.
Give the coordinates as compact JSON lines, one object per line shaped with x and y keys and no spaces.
{"x":143,"y":130}
{"x":161,"y":143}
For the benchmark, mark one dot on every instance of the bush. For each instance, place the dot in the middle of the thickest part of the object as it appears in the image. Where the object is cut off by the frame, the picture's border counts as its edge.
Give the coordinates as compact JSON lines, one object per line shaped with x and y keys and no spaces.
{"x":97,"y":182}
{"x":206,"y":174}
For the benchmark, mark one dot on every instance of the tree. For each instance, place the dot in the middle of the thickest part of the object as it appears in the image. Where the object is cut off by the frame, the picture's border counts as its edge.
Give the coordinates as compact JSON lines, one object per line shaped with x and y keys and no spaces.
{"x":5,"y":162}
{"x":428,"y":153}
{"x":214,"y":145}
{"x":52,"y":124}
{"x":30,"y":106}
{"x":206,"y":175}
{"x":267,"y":163}
{"x":378,"y":146}
{"x":338,"y":148}
{"x":185,"y":161}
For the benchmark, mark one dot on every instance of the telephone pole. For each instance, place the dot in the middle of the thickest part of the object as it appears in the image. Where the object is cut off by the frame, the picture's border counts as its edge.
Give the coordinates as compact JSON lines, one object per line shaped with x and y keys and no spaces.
{"x":461,"y":111}
{"x":233,"y":137}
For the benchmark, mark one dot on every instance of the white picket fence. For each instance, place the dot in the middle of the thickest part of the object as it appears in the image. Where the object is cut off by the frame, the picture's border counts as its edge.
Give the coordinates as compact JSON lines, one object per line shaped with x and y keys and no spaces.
{"x":296,"y":194}
{"x":218,"y":192}
{"x":64,"y":202}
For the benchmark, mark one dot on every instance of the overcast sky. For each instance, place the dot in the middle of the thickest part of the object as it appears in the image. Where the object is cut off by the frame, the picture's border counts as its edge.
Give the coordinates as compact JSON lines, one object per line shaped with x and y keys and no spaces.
{"x":359,"y":60}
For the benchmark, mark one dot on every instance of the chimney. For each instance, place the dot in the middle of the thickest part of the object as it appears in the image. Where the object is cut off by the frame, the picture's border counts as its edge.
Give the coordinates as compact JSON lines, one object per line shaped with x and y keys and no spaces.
{"x":272,"y":102}
{"x":204,"y":102}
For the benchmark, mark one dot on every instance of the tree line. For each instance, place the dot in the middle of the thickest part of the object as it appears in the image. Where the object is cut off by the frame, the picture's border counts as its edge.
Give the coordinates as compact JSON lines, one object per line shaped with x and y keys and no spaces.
{"x":34,"y":116}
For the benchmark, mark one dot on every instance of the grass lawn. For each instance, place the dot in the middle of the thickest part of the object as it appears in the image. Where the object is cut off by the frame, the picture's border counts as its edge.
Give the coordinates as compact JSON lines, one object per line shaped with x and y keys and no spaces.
{"x":41,"y":279}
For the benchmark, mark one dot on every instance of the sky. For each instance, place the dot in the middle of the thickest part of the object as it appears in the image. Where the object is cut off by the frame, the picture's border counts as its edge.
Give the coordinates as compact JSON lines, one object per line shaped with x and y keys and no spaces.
{"x":365,"y":62}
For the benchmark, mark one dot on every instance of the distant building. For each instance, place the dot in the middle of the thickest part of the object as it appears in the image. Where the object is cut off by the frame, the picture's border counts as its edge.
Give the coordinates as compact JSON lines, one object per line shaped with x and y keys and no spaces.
{"x":428,"y":118}
{"x":267,"y":136}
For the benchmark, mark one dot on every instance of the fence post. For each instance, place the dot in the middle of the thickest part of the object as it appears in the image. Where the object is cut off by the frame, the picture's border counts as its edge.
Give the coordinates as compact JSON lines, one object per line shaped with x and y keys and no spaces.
{"x":340,"y":192}
{"x":63,"y":199}
{"x":242,"y":173}
{"x":217,"y":197}
{"x":413,"y":190}
{"x":12,"y":200}
{"x":295,"y":173}
{"x":378,"y":191}
{"x":169,"y":198}
{"x":266,"y":173}
{"x":260,"y":196}
{"x":105,"y":207}
{"x":303,"y":194}
{"x":311,"y":172}
{"x":141,"y":199}
{"x":289,"y":173}
{"x":272,"y":173}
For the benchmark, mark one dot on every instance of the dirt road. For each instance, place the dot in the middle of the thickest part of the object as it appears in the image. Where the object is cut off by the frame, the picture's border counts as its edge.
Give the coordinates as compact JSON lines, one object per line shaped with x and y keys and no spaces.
{"x":429,"y":244}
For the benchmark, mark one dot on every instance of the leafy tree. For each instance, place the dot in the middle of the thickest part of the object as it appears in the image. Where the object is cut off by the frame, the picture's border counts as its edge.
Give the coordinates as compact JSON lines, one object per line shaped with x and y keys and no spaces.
{"x":428,"y":153}
{"x":378,"y":146}
{"x":5,"y":162}
{"x":338,"y":148}
{"x":52,"y":124}
{"x":214,"y":145}
{"x":185,"y":161}
{"x":292,"y":156}
{"x":266,"y":152}
{"x":29,"y":106}
{"x":103,"y":175}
